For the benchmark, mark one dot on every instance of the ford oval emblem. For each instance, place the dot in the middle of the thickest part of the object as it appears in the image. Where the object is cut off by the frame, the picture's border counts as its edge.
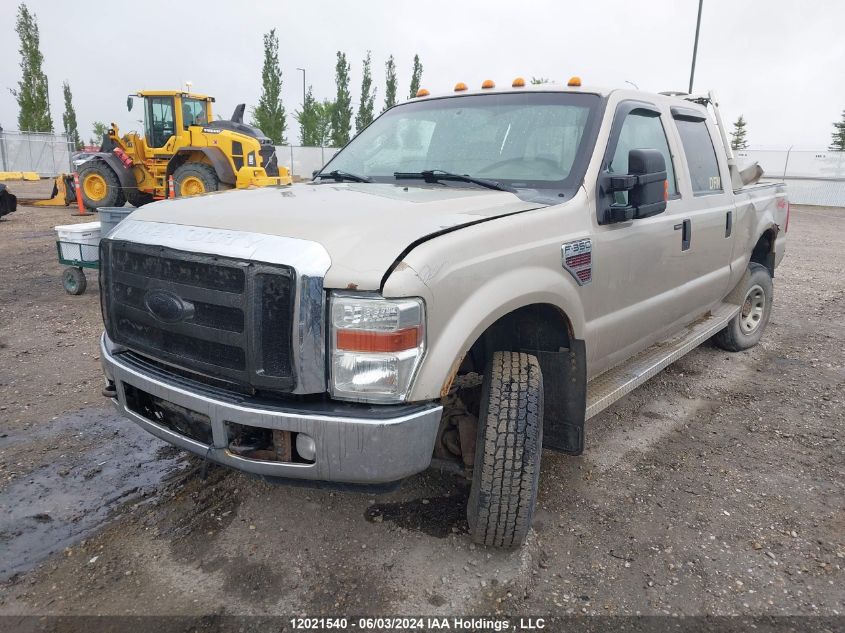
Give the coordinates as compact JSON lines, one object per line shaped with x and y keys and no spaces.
{"x":168,"y":307}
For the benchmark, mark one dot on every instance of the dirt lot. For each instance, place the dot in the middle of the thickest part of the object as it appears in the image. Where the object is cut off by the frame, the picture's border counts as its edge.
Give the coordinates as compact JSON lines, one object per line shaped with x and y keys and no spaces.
{"x":717,"y":488}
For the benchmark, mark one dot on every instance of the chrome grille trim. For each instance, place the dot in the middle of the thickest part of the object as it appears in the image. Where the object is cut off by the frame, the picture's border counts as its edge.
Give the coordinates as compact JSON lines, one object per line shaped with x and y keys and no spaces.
{"x":310,"y":260}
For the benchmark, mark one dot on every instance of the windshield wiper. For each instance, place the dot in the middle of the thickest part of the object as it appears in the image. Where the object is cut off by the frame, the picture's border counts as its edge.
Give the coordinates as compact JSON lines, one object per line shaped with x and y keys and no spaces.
{"x":435,"y":175}
{"x":340,"y":176}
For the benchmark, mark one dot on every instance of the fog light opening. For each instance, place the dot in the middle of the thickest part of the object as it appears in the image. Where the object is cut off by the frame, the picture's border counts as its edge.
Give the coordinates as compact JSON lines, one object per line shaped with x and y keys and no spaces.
{"x":306,"y":447}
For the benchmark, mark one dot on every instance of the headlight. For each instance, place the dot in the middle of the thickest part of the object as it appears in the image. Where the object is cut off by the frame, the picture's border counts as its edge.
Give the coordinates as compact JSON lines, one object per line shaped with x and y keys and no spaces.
{"x":377,"y":345}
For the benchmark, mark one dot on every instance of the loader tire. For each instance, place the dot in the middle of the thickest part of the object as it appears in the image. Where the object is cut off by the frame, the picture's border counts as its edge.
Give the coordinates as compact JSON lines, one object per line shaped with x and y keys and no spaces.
{"x":508,"y":448}
{"x":746,"y":329}
{"x":192,"y":179}
{"x":99,"y":185}
{"x":138,"y":198}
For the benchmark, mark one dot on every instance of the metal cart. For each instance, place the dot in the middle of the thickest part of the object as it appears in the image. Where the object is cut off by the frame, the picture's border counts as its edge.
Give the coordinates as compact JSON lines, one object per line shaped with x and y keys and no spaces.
{"x":77,"y":257}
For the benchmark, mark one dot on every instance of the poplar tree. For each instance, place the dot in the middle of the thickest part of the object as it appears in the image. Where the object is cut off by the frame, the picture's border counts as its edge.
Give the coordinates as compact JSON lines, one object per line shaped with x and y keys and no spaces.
{"x":269,"y":114}
{"x":69,"y":119}
{"x":32,"y":93}
{"x":342,"y":110}
{"x":416,"y":77}
{"x":390,"y":83}
{"x":368,"y":97}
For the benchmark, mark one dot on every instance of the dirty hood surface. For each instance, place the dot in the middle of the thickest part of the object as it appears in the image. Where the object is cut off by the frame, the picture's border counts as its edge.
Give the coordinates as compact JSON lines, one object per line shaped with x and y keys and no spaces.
{"x":364,"y":227}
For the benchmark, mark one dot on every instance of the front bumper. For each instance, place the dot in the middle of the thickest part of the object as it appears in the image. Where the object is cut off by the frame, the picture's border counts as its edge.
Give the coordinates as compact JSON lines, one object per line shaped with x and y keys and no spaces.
{"x":355,"y":444}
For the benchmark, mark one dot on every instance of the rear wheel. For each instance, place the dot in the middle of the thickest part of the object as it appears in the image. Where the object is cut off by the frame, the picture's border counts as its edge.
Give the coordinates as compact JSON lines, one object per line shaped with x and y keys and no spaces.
{"x":746,"y":329}
{"x":193,"y":179}
{"x":507,"y":458}
{"x":99,"y":185}
{"x":138,"y":198}
{"x":73,"y":281}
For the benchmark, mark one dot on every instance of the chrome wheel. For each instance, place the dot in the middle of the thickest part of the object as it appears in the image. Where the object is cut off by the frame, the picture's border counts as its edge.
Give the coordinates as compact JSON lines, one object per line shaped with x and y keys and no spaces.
{"x":753,"y":309}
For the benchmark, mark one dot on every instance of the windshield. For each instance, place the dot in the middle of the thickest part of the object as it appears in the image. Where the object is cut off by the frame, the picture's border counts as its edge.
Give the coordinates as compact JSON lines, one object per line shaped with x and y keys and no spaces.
{"x":523,"y":139}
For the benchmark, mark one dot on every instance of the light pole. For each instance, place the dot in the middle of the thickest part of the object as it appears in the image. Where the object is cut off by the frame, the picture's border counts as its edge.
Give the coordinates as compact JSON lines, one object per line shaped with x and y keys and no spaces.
{"x":636,"y":87}
{"x":303,"y":88}
{"x":695,"y":46}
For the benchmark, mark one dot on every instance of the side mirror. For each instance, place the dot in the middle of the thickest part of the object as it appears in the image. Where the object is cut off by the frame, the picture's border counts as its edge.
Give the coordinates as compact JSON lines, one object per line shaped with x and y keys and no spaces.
{"x":129,"y":103}
{"x":645,"y":183}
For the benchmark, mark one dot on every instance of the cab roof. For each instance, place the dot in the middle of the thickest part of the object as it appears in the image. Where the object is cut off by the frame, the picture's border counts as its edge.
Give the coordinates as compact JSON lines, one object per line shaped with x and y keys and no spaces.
{"x":173,"y":93}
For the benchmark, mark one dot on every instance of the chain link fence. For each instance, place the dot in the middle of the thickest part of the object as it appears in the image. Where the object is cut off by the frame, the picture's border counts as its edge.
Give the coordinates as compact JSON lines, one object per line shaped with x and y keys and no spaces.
{"x":45,"y":153}
{"x":303,"y":161}
{"x":814,"y":177}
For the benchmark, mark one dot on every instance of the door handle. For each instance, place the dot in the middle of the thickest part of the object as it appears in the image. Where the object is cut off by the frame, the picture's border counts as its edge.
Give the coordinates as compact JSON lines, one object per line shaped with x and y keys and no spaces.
{"x":729,"y":223}
{"x":686,"y":234}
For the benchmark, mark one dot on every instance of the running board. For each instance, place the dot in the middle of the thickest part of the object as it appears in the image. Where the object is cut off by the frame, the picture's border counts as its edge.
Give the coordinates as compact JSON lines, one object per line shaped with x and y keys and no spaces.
{"x":604,"y":390}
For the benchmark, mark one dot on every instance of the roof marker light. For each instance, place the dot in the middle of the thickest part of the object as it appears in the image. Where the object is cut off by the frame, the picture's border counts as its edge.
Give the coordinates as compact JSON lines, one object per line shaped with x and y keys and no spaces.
{"x":487,"y":84}
{"x":422,"y":92}
{"x":519,"y":82}
{"x":460,"y":86}
{"x":574,"y":81}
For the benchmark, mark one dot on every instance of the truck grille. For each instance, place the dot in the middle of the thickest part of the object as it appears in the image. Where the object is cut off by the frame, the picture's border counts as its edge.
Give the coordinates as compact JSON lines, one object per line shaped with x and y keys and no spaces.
{"x":269,"y":160}
{"x":217,"y":316}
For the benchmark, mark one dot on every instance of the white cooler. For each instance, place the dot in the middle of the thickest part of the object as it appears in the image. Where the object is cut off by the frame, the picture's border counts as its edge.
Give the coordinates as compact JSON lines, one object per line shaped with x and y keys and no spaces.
{"x":80,"y":241}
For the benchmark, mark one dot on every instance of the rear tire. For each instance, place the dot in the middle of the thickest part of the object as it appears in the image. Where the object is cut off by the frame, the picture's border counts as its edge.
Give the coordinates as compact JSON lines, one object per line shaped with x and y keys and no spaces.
{"x":74,"y":281}
{"x":193,"y":179}
{"x":138,"y":198}
{"x":508,"y":448}
{"x":755,"y":293}
{"x":99,"y":185}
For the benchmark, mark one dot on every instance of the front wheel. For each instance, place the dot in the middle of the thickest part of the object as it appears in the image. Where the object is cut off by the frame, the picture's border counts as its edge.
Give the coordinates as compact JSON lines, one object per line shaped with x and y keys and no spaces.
{"x":193,"y":179}
{"x":73,"y":281}
{"x":746,"y":328}
{"x":508,"y":448}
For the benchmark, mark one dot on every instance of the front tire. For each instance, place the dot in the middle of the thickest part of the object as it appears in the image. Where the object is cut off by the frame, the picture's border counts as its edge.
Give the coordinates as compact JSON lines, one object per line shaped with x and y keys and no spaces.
{"x":508,"y":448}
{"x":73,"y":281}
{"x":755,"y":294}
{"x":193,"y":179}
{"x":99,"y":185}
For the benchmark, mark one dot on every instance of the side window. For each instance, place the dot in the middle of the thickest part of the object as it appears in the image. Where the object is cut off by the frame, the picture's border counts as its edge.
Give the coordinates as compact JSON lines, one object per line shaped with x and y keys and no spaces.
{"x":194,"y":112}
{"x":641,"y":130}
{"x":160,"y":124}
{"x":701,"y":156}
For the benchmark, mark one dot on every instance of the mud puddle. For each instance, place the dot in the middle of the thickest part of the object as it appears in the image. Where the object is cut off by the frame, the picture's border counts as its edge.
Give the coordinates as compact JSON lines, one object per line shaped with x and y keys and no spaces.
{"x":63,"y":479}
{"x":435,"y":516}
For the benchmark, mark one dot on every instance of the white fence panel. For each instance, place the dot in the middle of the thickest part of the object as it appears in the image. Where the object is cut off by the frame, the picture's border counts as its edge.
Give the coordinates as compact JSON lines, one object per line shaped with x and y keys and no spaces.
{"x":303,"y":161}
{"x":812,"y":176}
{"x":46,"y":154}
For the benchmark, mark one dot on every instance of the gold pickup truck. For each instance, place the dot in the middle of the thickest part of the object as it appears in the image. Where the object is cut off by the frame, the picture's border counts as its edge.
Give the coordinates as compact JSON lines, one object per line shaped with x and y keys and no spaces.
{"x":472,"y":278}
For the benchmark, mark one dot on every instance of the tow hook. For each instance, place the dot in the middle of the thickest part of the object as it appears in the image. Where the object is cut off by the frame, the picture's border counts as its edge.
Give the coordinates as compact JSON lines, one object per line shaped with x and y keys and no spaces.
{"x":110,"y":390}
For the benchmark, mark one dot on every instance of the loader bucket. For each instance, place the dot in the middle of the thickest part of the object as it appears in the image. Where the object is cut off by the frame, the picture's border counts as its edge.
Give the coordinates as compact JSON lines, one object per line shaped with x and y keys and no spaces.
{"x":63,"y":195}
{"x":8,"y":202}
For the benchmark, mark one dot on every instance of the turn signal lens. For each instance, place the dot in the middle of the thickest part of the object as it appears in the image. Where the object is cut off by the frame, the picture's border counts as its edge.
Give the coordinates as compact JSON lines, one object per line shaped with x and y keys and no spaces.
{"x":574,"y":81}
{"x":487,"y":84}
{"x":362,"y":341}
{"x":422,"y":92}
{"x":519,"y":82}
{"x":665,"y":190}
{"x":460,"y":86}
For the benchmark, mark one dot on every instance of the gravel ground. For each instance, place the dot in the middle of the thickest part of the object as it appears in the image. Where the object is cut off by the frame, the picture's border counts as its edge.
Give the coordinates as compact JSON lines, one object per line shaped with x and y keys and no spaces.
{"x":716,"y":488}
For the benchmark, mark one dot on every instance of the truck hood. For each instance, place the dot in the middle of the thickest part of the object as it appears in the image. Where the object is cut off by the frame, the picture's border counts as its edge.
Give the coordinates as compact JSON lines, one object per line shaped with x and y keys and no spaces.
{"x":364,"y":227}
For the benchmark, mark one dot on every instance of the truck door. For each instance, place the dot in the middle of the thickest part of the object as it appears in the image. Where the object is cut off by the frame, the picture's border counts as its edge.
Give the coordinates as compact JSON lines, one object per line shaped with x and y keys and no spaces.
{"x":634,"y":275}
{"x":708,"y":209}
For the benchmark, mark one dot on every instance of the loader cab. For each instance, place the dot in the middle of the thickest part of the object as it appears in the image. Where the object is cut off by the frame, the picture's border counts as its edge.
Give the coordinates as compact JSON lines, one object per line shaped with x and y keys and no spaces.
{"x":169,"y":113}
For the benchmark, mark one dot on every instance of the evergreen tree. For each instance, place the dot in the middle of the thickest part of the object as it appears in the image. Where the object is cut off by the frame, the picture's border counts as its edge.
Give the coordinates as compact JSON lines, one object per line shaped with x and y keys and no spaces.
{"x":368,"y":97}
{"x":69,"y":119}
{"x":390,"y":83}
{"x":838,"y":136}
{"x":32,"y":93}
{"x":269,"y":115}
{"x":342,"y":110}
{"x":325,"y":110}
{"x":307,"y":119}
{"x":416,"y":77}
{"x":738,"y":140}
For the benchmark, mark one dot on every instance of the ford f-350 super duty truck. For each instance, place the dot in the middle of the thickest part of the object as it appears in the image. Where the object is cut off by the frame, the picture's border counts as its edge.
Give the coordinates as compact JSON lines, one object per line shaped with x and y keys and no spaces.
{"x":467,"y":282}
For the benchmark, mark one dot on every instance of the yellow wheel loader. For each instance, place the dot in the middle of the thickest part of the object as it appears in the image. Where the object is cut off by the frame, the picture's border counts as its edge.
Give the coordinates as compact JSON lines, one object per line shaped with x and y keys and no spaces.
{"x":181,"y":140}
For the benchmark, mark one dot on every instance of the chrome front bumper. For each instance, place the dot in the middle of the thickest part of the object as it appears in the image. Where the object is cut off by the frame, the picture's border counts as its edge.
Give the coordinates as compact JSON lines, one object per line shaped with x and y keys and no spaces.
{"x":355,"y":444}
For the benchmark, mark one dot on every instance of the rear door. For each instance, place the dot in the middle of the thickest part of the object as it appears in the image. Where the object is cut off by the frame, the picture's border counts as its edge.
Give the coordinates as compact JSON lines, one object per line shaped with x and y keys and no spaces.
{"x":708,"y":210}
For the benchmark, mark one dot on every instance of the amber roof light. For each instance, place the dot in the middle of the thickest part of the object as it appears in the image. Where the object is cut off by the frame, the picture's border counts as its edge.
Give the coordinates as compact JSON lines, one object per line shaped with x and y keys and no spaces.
{"x":574,"y":81}
{"x":519,"y":82}
{"x":487,"y":84}
{"x":460,"y":86}
{"x":422,"y":92}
